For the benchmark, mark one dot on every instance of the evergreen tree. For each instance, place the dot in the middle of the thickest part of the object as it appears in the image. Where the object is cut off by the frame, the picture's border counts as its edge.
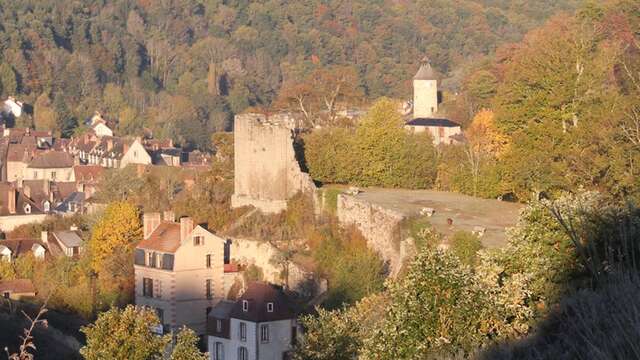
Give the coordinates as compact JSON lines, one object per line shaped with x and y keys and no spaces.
{"x":66,"y":122}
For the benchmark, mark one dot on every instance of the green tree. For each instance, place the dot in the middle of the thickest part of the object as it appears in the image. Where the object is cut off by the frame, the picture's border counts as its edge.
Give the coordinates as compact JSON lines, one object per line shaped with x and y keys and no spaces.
{"x":124,"y":334}
{"x":437,"y":310}
{"x":186,"y":347}
{"x":8,"y":81}
{"x":65,"y":120}
{"x":44,"y":114}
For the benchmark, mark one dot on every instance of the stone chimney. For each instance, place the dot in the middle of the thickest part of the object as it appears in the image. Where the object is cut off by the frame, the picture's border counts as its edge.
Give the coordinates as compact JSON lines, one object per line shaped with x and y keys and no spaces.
{"x":169,"y":215}
{"x":150,"y":222}
{"x":44,"y":237}
{"x":11,"y":200}
{"x":186,"y":227}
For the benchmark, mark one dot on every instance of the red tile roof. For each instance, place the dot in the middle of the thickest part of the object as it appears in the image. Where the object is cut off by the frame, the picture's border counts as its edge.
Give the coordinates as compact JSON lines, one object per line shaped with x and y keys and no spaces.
{"x":231,"y":268}
{"x":52,"y":160}
{"x":21,"y":286}
{"x":166,"y":238}
{"x":88,"y":172}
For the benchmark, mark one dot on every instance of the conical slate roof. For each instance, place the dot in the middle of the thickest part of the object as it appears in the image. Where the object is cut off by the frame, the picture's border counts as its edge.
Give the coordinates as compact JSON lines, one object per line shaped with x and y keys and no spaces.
{"x":425,"y":72}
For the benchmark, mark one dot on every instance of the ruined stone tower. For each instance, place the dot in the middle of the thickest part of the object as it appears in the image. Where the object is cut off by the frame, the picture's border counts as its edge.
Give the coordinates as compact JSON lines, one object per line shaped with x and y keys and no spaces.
{"x":267,"y":173}
{"x":425,"y":92}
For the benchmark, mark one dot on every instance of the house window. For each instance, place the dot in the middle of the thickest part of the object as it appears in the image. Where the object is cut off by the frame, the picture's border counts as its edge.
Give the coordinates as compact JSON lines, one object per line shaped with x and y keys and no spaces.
{"x":6,"y":294}
{"x":135,"y":154}
{"x":264,"y":333}
{"x":53,"y":175}
{"x":219,"y":354}
{"x":245,"y":305}
{"x":35,"y":175}
{"x":152,"y":259}
{"x":147,"y":287}
{"x":209,"y":289}
{"x":270,"y":307}
{"x":243,"y":354}
{"x":218,"y":325}
{"x":243,"y":331}
{"x":198,"y":240}
{"x":209,"y":261}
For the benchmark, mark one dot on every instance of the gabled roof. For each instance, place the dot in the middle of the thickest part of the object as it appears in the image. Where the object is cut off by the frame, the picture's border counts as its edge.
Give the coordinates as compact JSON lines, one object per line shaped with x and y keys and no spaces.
{"x":21,"y":247}
{"x":258,"y":295}
{"x":52,"y":160}
{"x":166,"y":238}
{"x":432,"y":122}
{"x":68,"y":238}
{"x":16,"y":152}
{"x":20,"y":286}
{"x":222,"y":310}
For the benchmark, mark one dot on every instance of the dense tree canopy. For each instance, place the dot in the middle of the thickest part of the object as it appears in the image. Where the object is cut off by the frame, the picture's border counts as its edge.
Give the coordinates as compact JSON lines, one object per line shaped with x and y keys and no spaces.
{"x":183,"y":66}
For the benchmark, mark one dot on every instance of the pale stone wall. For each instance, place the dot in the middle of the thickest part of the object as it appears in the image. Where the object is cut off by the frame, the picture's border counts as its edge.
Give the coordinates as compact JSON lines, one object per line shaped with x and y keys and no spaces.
{"x":377,"y":224}
{"x":136,"y":154}
{"x":15,"y":170}
{"x":181,"y":293}
{"x":267,"y":173}
{"x":51,"y":174}
{"x":435,"y":133}
{"x":10,"y":222}
{"x":260,"y":253}
{"x":425,"y":98}
{"x":279,"y":342}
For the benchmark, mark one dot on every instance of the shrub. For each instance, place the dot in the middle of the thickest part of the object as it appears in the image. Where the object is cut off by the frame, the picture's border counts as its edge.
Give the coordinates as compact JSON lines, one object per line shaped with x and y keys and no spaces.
{"x":437,"y":309}
{"x":465,"y":246}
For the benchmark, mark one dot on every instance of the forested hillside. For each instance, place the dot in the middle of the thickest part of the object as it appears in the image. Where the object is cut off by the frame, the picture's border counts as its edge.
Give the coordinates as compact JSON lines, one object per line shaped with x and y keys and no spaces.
{"x":178,"y":67}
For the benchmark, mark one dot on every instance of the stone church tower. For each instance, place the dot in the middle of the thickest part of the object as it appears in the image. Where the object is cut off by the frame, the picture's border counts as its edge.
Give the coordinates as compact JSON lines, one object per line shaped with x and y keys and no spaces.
{"x":425,"y":92}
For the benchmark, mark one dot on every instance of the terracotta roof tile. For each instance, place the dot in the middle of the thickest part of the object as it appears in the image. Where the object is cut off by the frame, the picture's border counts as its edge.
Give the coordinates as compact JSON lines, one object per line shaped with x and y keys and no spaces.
{"x":52,"y":160}
{"x":17,"y":286}
{"x":166,"y":238}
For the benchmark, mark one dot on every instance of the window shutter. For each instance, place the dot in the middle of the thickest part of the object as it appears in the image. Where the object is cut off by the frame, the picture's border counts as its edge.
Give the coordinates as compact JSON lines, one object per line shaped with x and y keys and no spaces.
{"x":167,"y":261}
{"x":139,"y":257}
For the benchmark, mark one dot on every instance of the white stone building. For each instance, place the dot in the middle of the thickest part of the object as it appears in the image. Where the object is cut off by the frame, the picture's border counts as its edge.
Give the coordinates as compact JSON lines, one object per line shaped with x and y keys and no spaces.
{"x":260,"y":325}
{"x":425,"y":109}
{"x":179,"y":271}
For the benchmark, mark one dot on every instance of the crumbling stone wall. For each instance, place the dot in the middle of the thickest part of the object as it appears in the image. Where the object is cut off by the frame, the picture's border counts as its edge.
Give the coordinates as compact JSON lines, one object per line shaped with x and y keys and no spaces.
{"x":378,"y":225}
{"x":267,"y":172}
{"x":261,"y":253}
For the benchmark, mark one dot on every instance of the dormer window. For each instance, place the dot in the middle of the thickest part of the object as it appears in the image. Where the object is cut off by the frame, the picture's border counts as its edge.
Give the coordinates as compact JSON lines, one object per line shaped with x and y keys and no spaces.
{"x":270,"y":307}
{"x":245,"y":305}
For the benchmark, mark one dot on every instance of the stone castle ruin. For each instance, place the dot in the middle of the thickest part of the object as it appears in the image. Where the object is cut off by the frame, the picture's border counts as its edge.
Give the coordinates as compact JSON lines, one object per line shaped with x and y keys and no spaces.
{"x":267,"y":172}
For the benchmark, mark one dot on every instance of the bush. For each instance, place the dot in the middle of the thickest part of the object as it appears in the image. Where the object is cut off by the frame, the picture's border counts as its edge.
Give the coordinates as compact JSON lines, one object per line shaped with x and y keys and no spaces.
{"x":351,"y":268}
{"x":465,"y":246}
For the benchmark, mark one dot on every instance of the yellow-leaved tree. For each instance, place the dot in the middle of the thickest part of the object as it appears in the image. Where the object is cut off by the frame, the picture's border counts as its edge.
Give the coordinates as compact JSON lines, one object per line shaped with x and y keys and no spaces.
{"x":485,"y":142}
{"x":111,"y":249}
